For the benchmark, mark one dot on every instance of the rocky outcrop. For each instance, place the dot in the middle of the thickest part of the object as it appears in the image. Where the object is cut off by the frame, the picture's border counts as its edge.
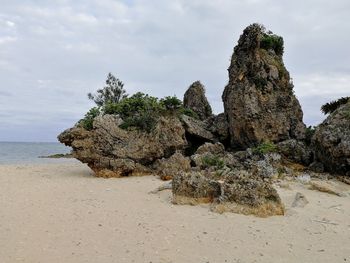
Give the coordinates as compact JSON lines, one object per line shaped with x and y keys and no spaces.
{"x":331,"y":141}
{"x":196,"y":100}
{"x":296,"y":151}
{"x":259,"y":101}
{"x":218,"y":126}
{"x":168,"y":168}
{"x":239,"y":192}
{"x":113,"y":152}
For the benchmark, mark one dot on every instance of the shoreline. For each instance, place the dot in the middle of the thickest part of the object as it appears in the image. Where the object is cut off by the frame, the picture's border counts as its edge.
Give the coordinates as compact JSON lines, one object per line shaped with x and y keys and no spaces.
{"x":61,"y":213}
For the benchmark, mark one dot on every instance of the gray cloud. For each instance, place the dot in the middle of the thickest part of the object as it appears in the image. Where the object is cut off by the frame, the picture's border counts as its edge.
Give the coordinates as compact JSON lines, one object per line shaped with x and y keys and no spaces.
{"x":53,"y":52}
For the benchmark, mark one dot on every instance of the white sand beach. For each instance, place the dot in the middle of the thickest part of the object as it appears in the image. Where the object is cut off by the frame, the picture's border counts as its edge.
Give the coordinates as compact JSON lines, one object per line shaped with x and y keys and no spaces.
{"x":61,"y":213}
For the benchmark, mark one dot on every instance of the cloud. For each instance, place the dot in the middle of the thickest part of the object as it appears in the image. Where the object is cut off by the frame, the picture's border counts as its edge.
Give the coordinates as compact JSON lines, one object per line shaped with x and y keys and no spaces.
{"x":54,"y":52}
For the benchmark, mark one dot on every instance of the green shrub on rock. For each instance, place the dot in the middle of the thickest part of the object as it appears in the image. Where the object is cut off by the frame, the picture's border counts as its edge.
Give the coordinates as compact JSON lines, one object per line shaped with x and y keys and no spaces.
{"x":171,"y":103}
{"x":333,"y":105}
{"x":88,"y":120}
{"x":213,"y":161}
{"x":272,"y":41}
{"x":265,"y":147}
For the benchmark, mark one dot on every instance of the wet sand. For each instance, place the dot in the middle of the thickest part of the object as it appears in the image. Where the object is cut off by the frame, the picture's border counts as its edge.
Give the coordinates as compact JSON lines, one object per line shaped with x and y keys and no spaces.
{"x":61,"y":213}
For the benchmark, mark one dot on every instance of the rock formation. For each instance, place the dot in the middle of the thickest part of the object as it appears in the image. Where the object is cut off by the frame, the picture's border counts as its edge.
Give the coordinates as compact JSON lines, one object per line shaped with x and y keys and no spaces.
{"x":113,"y":152}
{"x":196,"y":100}
{"x":262,"y":116}
{"x":259,"y":102}
{"x":331,"y":141}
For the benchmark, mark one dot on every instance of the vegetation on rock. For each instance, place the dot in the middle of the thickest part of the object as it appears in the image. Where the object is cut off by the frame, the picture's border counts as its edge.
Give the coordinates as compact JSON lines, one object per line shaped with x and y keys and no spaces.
{"x":113,"y":92}
{"x":88,"y":120}
{"x":265,"y":147}
{"x":334,"y":105}
{"x":213,"y":161}
{"x":272,"y":41}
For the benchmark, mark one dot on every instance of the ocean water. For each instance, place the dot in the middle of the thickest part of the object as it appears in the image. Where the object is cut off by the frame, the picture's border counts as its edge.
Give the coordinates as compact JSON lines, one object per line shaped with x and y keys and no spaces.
{"x":29,"y":152}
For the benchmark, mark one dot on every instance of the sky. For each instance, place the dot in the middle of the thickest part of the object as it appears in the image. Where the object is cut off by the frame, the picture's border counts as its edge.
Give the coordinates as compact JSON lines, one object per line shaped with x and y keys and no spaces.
{"x":52,"y":53}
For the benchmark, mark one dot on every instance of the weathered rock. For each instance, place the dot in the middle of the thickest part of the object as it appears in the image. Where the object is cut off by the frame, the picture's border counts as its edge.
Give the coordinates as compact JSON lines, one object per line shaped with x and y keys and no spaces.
{"x":217,"y":148}
{"x":218,"y":125}
{"x":196,"y":128}
{"x":296,"y":151}
{"x":196,"y":100}
{"x":266,"y":167}
{"x":168,"y":168}
{"x":194,"y":188}
{"x":209,"y":155}
{"x":237,"y":192}
{"x":259,"y":102}
{"x":112,"y":151}
{"x":331,"y":141}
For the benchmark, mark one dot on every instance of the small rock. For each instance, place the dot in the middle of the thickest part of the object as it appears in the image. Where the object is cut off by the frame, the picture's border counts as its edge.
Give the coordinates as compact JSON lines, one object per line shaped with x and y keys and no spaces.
{"x":300,"y":200}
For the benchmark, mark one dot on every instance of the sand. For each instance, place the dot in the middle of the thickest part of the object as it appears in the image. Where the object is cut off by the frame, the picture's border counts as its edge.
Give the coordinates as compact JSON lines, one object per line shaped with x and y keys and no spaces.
{"x":61,"y":213}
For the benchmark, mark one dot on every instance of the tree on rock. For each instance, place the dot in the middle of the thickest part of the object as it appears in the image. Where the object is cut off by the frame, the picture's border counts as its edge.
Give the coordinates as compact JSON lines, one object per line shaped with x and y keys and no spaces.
{"x":113,"y":92}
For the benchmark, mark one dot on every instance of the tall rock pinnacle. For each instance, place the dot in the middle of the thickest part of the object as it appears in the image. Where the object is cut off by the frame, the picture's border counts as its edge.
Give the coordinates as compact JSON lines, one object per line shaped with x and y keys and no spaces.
{"x":259,"y":101}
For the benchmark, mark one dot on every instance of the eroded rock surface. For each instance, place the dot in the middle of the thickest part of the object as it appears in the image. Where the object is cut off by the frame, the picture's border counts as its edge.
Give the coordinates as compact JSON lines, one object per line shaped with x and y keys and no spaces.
{"x":113,"y":152}
{"x":259,"y":101}
{"x":196,"y":100}
{"x":239,"y":192}
{"x":331,"y":141}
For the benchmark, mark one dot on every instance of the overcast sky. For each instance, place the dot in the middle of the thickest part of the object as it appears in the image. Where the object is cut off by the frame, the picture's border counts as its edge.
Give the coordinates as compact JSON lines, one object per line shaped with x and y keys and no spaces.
{"x":52,"y":53}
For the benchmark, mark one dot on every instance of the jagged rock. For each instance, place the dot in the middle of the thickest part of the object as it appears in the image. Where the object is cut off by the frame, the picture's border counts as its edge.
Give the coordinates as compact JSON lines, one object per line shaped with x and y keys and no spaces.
{"x":259,"y":102}
{"x":316,"y":167}
{"x":196,"y":100}
{"x":209,"y":155}
{"x":168,"y":168}
{"x":266,"y":167}
{"x":112,"y":151}
{"x":296,"y":151}
{"x":331,"y":141}
{"x":218,"y":125}
{"x":196,"y":128}
{"x":237,"y":192}
{"x":194,"y":188}
{"x":217,"y":148}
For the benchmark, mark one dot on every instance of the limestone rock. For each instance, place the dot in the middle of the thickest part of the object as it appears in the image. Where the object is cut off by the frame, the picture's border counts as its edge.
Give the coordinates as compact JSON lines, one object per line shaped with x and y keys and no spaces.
{"x":168,"y":168}
{"x":218,"y":125}
{"x":259,"y":101}
{"x":331,"y":141}
{"x":238,"y":192}
{"x":196,"y":128}
{"x":196,"y":100}
{"x":194,"y":188}
{"x":112,"y":151}
{"x":217,"y":148}
{"x":296,"y":151}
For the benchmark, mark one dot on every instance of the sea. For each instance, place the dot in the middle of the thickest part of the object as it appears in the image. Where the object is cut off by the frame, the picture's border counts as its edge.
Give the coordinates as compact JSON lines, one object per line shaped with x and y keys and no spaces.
{"x":29,"y":152}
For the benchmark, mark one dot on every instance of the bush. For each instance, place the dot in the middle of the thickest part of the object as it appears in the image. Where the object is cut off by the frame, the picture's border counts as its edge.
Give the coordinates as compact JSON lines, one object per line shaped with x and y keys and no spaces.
{"x":265,"y":147}
{"x":271,"y":41}
{"x":144,"y":122}
{"x":213,"y":161}
{"x":88,"y":120}
{"x":189,"y":112}
{"x":171,"y":103}
{"x":333,"y":105}
{"x":140,"y":111}
{"x":113,"y":92}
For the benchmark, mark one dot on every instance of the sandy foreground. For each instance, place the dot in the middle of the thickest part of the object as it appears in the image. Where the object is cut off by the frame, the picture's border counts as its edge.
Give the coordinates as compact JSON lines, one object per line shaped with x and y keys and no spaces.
{"x":61,"y":213}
